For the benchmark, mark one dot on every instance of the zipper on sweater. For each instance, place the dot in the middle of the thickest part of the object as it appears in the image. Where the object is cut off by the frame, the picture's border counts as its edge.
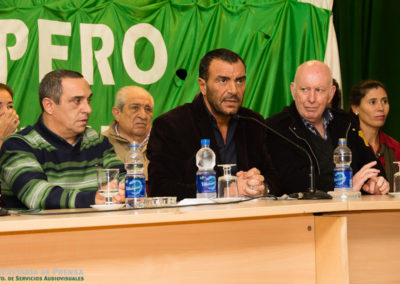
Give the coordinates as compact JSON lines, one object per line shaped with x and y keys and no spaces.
{"x":305,"y":141}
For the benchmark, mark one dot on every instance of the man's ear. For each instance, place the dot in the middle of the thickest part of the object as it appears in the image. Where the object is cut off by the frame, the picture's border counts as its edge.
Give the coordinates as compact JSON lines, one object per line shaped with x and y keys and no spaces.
{"x":116,"y":112}
{"x":203,"y":86}
{"x":48,"y":105}
{"x":293,"y":89}
{"x":332,"y":93}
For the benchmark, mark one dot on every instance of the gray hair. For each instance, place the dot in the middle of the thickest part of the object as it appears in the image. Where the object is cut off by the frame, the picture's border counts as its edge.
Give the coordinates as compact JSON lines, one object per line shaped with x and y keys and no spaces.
{"x":51,"y":84}
{"x":120,"y":96}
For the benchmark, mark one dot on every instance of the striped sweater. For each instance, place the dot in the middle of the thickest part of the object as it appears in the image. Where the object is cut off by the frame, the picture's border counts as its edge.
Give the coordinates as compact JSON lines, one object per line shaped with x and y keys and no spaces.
{"x":39,"y":169}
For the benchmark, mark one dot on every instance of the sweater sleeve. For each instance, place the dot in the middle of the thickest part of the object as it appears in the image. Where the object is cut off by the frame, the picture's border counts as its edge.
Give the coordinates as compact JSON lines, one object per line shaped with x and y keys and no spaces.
{"x":23,"y":177}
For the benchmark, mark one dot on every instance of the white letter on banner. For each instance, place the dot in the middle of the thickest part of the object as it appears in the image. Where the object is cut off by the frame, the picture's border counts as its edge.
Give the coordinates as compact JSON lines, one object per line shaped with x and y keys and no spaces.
{"x":88,"y":31}
{"x":160,"y":53}
{"x":20,"y":31}
{"x":47,"y":51}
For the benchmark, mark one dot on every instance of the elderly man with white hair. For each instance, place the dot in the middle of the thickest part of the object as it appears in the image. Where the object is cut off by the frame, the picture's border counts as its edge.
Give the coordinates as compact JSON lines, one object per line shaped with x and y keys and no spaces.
{"x":311,"y":124}
{"x":133,"y":112}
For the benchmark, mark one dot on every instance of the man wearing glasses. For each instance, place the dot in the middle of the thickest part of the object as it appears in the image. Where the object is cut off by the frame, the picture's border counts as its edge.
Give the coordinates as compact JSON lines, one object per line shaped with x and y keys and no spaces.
{"x":133,"y":111}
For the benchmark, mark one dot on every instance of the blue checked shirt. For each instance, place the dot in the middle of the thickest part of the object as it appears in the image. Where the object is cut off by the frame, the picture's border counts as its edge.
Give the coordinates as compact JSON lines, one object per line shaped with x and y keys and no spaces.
{"x":327,"y":117}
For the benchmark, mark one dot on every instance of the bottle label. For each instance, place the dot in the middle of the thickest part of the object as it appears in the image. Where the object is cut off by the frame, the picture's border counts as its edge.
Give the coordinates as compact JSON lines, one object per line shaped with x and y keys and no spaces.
{"x":135,"y":187}
{"x":343,"y":177}
{"x":206,"y":183}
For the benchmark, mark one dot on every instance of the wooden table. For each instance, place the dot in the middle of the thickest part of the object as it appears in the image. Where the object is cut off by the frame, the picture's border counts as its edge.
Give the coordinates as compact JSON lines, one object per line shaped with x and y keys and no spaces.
{"x":259,"y":241}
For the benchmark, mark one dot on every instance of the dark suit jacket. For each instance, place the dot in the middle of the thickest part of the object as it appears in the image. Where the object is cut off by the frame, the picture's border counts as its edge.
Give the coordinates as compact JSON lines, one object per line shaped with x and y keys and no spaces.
{"x":175,"y":139}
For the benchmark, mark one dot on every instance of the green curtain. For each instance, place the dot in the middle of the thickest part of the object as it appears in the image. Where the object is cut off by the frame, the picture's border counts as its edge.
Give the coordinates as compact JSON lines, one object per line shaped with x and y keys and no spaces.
{"x":273,"y":37}
{"x":369,"y":45}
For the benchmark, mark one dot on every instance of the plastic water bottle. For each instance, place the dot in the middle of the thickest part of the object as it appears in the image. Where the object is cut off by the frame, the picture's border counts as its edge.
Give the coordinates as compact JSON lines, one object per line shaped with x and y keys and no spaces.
{"x":343,"y":174}
{"x":206,"y":181}
{"x":135,"y":181}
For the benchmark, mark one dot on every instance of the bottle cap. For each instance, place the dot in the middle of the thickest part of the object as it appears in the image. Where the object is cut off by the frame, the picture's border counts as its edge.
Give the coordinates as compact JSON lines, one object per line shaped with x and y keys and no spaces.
{"x":342,"y":141}
{"x":134,"y":144}
{"x":205,"y":142}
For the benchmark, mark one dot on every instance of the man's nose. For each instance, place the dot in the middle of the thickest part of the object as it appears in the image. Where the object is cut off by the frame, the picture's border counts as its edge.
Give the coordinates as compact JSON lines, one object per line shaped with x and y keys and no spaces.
{"x":142,"y":112}
{"x":233,"y":87}
{"x":86,"y":107}
{"x":312,"y":96}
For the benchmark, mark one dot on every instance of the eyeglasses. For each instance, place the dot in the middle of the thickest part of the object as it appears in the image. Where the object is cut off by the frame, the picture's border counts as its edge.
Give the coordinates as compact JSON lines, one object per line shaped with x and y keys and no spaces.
{"x":137,"y":107}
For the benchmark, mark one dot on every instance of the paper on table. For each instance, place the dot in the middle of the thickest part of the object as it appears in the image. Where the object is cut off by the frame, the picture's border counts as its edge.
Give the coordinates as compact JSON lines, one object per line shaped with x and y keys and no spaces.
{"x":194,"y":201}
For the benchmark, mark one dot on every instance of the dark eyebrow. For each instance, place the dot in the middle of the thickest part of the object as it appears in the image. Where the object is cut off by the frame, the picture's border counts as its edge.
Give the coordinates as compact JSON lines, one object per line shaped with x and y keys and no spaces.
{"x":77,"y":97}
{"x":240,"y":78}
{"x":223,"y":77}
{"x":81,"y":97}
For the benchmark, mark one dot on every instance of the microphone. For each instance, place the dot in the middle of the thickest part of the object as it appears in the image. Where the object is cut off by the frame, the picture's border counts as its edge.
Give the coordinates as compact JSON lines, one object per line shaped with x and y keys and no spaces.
{"x":312,"y":193}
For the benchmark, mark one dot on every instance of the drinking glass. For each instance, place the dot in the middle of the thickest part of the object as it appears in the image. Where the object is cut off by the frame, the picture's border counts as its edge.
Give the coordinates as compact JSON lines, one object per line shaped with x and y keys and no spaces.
{"x":396,"y":179}
{"x":108,"y":183}
{"x":227,"y":184}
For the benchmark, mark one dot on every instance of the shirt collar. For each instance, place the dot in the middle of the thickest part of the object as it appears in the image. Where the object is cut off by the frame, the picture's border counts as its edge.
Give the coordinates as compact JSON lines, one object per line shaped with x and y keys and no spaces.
{"x":144,"y":142}
{"x":327,"y":117}
{"x":116,"y":129}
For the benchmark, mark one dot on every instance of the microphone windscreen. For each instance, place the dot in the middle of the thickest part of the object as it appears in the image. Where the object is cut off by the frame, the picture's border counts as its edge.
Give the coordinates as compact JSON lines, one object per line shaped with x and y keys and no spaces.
{"x":181,"y":73}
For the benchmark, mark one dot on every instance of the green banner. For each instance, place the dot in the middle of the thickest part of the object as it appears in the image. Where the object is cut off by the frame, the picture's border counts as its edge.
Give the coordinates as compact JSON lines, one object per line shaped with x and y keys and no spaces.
{"x":156,"y":45}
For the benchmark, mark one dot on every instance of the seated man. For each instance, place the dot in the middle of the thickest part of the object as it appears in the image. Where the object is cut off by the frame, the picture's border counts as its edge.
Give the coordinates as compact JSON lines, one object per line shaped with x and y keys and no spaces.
{"x":9,"y":119}
{"x":175,"y":136}
{"x":53,"y":163}
{"x":309,"y":123}
{"x":133,"y":111}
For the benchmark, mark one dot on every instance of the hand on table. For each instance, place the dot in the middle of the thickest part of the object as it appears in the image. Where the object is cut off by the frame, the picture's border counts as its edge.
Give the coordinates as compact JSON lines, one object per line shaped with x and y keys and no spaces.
{"x":250,"y":183}
{"x":118,"y":198}
{"x":367,"y":178}
{"x":365,"y":173}
{"x":377,"y":185}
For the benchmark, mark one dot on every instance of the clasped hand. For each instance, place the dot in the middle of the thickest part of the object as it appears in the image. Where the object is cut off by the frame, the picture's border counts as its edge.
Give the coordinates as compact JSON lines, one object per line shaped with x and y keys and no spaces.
{"x":367,"y":178}
{"x":250,"y":183}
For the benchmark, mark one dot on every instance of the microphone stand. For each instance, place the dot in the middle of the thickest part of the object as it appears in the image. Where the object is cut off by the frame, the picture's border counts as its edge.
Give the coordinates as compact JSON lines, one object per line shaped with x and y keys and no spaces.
{"x":312,"y":193}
